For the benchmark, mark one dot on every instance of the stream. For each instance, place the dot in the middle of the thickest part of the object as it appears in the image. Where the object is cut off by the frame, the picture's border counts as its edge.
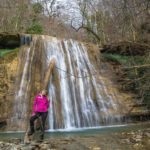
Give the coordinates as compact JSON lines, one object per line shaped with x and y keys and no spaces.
{"x":123,"y":137}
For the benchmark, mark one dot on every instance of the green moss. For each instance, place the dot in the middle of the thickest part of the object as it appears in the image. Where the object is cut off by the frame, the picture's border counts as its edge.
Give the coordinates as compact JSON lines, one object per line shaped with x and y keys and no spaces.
{"x":5,"y":52}
{"x":116,"y":58}
{"x":124,"y":60}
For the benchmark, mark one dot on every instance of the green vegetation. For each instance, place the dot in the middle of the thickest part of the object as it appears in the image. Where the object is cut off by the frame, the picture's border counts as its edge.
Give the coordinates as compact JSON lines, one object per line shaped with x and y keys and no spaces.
{"x":6,"y":52}
{"x":35,"y":28}
{"x":125,"y":60}
{"x":37,"y":8}
{"x":134,"y":74}
{"x":116,"y":58}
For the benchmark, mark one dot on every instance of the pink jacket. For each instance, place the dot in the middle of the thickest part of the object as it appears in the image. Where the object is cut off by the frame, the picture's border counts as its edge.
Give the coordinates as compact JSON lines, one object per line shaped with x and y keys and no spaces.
{"x":41,"y":104}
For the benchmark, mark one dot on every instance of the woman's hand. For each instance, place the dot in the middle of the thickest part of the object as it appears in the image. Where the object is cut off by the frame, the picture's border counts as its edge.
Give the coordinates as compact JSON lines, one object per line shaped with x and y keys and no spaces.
{"x":33,"y":113}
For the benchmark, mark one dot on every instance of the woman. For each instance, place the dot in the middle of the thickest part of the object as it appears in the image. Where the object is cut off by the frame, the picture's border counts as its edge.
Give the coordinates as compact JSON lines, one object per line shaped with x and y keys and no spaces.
{"x":40,"y":109}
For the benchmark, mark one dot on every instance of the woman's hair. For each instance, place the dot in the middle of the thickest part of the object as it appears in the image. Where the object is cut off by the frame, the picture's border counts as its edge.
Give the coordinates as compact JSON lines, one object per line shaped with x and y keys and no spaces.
{"x":45,"y":91}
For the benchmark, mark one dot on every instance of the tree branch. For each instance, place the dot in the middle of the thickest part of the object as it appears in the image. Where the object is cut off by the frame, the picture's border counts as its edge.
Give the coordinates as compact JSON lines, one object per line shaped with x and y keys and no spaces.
{"x":86,"y":28}
{"x":139,"y":66}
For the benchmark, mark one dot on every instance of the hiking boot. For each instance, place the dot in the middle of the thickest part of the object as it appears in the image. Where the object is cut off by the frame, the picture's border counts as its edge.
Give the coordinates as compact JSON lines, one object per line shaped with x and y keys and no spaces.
{"x":38,"y":128}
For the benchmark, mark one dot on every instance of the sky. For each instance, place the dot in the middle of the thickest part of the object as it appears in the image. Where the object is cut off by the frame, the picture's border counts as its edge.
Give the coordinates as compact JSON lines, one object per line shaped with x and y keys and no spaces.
{"x":71,"y":11}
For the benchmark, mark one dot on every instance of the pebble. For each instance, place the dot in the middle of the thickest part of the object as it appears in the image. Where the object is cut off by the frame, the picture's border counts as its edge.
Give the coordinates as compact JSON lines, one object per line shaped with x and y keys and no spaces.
{"x":125,"y":141}
{"x":96,"y":148}
{"x":147,"y":134}
{"x":138,"y":146}
{"x":44,"y":146}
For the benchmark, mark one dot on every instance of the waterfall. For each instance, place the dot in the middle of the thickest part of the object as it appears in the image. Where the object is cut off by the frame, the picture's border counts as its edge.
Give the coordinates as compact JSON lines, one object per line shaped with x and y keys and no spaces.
{"x":19,"y":114}
{"x":83,"y":102}
{"x":79,"y":94}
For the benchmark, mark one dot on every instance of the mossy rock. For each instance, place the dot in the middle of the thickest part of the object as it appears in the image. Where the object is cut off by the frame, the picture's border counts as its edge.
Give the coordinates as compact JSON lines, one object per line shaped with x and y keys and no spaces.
{"x":9,"y":40}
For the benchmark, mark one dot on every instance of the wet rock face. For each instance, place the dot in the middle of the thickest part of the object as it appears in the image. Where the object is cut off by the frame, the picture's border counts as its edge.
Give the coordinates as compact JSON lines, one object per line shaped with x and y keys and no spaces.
{"x":18,"y":90}
{"x":8,"y":71}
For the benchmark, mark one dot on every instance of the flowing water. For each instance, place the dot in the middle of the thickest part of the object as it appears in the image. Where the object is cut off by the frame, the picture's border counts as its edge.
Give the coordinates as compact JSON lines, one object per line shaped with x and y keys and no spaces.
{"x":99,"y":131}
{"x":79,"y":96}
{"x":22,"y":90}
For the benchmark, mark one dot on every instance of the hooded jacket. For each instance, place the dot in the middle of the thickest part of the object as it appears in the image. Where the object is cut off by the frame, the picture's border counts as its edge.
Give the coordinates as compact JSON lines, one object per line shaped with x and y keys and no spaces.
{"x":41,"y":104}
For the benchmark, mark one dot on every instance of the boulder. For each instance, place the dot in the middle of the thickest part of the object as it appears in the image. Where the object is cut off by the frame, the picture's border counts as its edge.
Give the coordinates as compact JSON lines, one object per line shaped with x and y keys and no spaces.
{"x":2,"y":123}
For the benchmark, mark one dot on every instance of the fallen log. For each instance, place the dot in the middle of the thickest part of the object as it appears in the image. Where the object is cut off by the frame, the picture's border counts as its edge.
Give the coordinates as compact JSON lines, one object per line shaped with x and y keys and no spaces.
{"x":139,"y":105}
{"x":48,"y":74}
{"x":139,"y":66}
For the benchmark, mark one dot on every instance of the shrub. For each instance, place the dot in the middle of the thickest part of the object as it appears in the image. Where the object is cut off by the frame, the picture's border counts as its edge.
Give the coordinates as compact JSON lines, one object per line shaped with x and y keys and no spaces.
{"x":35,"y":28}
{"x":135,"y":76}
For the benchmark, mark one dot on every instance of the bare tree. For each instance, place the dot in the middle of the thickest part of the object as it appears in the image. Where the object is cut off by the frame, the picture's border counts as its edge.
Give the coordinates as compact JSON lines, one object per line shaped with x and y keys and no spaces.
{"x":109,"y":20}
{"x":14,"y":15}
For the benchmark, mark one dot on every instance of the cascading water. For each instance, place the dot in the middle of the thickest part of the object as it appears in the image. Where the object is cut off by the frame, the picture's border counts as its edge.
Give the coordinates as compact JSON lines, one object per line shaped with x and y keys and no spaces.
{"x":20,"y":109}
{"x":78,"y":93}
{"x":78,"y":109}
{"x":83,"y":101}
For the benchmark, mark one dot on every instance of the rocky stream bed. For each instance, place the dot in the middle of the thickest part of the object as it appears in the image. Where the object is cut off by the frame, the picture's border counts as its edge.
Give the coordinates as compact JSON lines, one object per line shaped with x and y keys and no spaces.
{"x":124,"y":138}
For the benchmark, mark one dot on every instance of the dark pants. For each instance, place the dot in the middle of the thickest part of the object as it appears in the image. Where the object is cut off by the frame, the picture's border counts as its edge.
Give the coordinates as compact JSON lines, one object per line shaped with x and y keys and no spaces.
{"x":42,"y":118}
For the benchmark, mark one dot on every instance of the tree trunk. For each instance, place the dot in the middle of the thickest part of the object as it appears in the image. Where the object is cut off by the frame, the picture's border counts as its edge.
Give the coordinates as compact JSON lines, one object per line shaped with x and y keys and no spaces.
{"x":48,"y":74}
